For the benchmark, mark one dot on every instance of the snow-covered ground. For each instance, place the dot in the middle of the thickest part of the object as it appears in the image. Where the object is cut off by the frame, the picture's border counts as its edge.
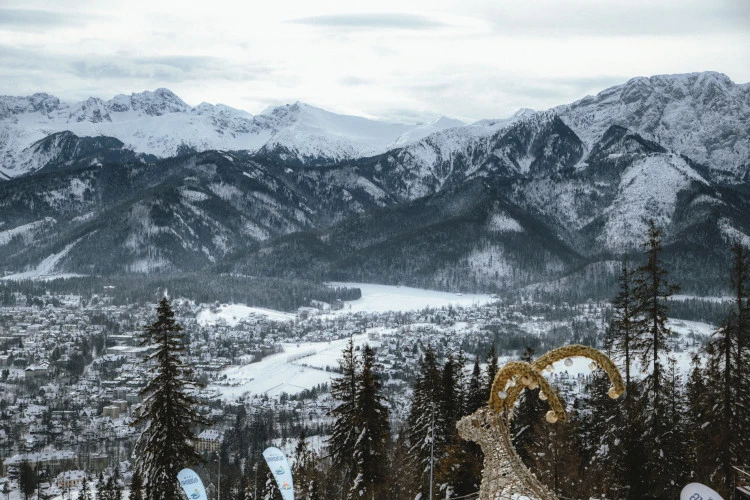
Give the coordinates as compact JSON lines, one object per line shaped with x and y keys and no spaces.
{"x":231,"y":314}
{"x":383,"y":298}
{"x":286,"y":371}
{"x":683,"y":298}
{"x":375,"y":298}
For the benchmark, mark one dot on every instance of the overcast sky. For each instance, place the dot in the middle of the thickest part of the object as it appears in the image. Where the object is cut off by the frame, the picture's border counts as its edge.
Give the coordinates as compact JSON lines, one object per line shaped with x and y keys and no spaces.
{"x":396,"y":60}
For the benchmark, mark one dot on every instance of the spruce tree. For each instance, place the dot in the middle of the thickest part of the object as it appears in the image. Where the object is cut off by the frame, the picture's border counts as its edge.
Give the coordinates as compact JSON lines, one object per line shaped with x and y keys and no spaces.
{"x":101,"y":488}
{"x":492,"y":369}
{"x":306,"y":480}
{"x":475,"y":396}
{"x":424,"y":418}
{"x":114,"y":492}
{"x":622,"y":339}
{"x":675,"y":438}
{"x":556,"y":455}
{"x":402,"y":482}
{"x":700,"y":447}
{"x":168,"y":410}
{"x":450,"y":400}
{"x":601,"y":437}
{"x":343,"y":433}
{"x":27,"y":480}
{"x":529,"y":411}
{"x":740,"y":281}
{"x":728,"y":365}
{"x":459,"y":461}
{"x":373,"y":433}
{"x":651,"y":291}
{"x":136,"y":486}
{"x":271,"y":488}
{"x":85,"y":491}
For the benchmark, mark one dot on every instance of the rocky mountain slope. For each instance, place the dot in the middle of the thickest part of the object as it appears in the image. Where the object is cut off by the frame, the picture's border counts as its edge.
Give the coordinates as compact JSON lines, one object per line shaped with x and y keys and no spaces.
{"x":704,"y":116}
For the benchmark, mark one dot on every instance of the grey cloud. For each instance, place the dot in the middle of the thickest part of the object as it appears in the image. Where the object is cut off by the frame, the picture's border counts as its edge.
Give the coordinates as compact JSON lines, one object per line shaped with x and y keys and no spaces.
{"x":497,"y":96}
{"x":22,"y":19}
{"x":174,"y":68}
{"x":181,"y":62}
{"x":24,"y":68}
{"x":374,"y":20}
{"x":353,"y":81}
{"x":560,"y":90}
{"x":598,"y":18}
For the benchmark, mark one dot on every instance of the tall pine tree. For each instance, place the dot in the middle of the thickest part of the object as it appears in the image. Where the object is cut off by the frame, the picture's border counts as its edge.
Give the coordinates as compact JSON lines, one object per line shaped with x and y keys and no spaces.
{"x":652,"y":290}
{"x":701,"y":450}
{"x":622,"y":334}
{"x":728,"y":365}
{"x":373,"y":433}
{"x":343,"y":434}
{"x":424,"y":419}
{"x":136,"y":486}
{"x":476,"y":396}
{"x":168,"y":411}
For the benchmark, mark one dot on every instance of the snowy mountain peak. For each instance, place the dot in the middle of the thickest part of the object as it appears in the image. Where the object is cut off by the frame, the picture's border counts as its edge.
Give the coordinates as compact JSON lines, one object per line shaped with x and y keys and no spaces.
{"x":39,"y":102}
{"x":156,"y":103}
{"x":701,"y":115}
{"x":444,"y":122}
{"x":523,"y":112}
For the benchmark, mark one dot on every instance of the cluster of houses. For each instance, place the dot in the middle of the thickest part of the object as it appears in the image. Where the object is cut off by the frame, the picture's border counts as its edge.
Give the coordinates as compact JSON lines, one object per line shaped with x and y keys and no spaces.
{"x":72,"y":374}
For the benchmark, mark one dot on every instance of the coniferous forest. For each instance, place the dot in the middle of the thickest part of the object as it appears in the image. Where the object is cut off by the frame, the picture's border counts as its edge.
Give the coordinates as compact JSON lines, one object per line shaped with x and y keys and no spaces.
{"x":668,"y":429}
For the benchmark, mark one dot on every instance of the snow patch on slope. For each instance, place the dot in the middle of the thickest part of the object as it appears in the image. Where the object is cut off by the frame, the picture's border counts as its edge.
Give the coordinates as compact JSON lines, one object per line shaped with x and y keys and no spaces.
{"x":74,"y":192}
{"x":46,"y":268}
{"x":731,"y":234}
{"x":648,"y":190}
{"x":26,"y":231}
{"x":490,"y":262}
{"x":503,"y":223}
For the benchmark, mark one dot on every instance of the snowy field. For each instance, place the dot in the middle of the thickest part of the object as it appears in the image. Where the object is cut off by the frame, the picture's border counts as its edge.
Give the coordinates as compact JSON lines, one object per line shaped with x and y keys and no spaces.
{"x":682,"y":298}
{"x":291,"y":371}
{"x":383,"y":298}
{"x":234,"y":313}
{"x":375,"y":298}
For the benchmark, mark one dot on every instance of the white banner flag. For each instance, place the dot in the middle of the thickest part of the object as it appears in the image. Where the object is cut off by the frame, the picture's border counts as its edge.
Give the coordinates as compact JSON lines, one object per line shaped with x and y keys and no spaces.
{"x":698,"y":491}
{"x":192,"y":484}
{"x":279,"y":466}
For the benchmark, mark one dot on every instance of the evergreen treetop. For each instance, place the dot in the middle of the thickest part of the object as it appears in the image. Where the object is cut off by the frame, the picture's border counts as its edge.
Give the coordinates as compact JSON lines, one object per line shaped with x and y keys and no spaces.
{"x":168,"y":410}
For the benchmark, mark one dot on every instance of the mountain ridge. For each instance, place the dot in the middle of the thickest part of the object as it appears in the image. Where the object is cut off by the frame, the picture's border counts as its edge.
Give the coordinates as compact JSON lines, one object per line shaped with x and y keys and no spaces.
{"x":488,"y":206}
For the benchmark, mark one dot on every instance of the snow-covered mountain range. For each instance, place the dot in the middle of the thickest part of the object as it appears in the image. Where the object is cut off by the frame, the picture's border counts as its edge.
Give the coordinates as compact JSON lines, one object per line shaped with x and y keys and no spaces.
{"x":557,"y":194}
{"x":701,"y":115}
{"x":160,"y":124}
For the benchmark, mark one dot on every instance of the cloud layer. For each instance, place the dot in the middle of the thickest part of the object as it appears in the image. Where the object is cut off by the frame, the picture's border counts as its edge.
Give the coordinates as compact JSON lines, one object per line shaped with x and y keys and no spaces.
{"x":470,"y":59}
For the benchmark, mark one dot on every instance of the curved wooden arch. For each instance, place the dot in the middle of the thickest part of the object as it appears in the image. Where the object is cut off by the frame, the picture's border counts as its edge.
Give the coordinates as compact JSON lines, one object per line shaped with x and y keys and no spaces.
{"x":533,"y":370}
